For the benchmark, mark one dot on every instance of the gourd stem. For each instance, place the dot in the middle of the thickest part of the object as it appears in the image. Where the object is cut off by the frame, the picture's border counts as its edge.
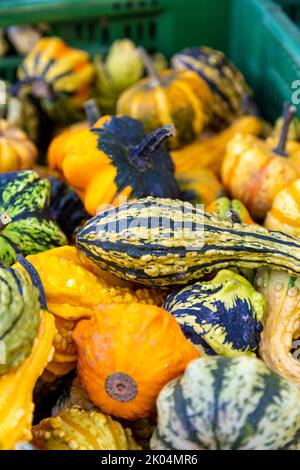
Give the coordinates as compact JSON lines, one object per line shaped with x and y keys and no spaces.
{"x":141,"y":154}
{"x":146,"y":59}
{"x":92,"y":111}
{"x":288,"y":114}
{"x":121,"y":387}
{"x":5,"y":219}
{"x":35,"y":279}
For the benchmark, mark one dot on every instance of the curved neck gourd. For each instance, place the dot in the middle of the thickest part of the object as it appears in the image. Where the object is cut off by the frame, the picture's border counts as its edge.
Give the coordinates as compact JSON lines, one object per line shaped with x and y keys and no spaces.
{"x":180,"y":244}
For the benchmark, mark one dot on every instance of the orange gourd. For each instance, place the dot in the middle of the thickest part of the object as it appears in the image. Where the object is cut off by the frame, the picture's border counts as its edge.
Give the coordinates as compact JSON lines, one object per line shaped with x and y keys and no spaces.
{"x":115,"y":159}
{"x":254,"y":170}
{"x":180,"y":98}
{"x":57,"y":148}
{"x":284,"y":214}
{"x":17,"y":152}
{"x":208,"y":152}
{"x":126,"y":354}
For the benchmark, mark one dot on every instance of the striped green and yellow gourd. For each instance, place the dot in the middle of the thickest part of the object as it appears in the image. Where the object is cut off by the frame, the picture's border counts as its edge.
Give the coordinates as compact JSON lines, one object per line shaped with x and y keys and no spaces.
{"x":228,"y":404}
{"x":164,"y":242}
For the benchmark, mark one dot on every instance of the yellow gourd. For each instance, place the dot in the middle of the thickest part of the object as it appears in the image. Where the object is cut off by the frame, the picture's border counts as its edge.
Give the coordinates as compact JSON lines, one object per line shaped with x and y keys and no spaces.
{"x":16,"y":388}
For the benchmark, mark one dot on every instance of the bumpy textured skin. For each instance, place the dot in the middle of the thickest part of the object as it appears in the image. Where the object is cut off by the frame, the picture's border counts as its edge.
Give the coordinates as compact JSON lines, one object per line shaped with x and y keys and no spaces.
{"x":223,"y":206}
{"x":73,"y":293}
{"x":234,"y":210}
{"x":16,"y":388}
{"x":199,"y":187}
{"x":142,"y":342}
{"x":281,"y":323}
{"x":76,"y":429}
{"x":254,"y":174}
{"x":209,"y":152}
{"x":167,"y":242}
{"x":59,"y":76}
{"x":228,"y":403}
{"x":224,"y":316}
{"x":19,"y":317}
{"x":180,"y":98}
{"x":284,"y":214}
{"x":17,"y":152}
{"x":231,"y":94}
{"x":66,"y":207}
{"x":100,"y":163}
{"x":26,"y":198}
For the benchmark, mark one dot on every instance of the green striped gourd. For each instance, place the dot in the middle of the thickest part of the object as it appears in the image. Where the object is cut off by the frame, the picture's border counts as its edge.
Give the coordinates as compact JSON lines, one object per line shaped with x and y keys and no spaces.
{"x":145,"y":241}
{"x":228,"y":403}
{"x":223,"y":316}
{"x":19,"y":317}
{"x":26,"y":225}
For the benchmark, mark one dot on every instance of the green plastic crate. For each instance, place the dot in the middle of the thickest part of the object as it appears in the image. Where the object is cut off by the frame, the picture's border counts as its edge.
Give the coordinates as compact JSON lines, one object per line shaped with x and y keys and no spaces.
{"x":260,"y":36}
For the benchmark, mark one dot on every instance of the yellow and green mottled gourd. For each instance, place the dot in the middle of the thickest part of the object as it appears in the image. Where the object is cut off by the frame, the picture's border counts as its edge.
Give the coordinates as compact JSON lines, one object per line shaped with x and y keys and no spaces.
{"x":161,"y":242}
{"x":223,"y":316}
{"x":76,"y":429}
{"x":223,"y":403}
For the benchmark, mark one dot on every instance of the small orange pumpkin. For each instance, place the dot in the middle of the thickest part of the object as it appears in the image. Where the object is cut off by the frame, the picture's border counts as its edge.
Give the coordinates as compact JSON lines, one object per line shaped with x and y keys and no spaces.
{"x":254,"y":171}
{"x":127,"y":353}
{"x":181,"y":98}
{"x":17,"y":152}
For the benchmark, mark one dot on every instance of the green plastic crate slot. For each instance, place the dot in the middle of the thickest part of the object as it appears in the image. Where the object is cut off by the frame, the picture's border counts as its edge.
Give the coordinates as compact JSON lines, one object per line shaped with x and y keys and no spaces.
{"x":262,"y":37}
{"x":292,"y":9}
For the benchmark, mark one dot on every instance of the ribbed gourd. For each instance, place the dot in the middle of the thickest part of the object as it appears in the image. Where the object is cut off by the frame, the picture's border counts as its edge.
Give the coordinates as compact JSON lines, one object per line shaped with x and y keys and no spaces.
{"x":223,"y":403}
{"x":284,"y":214}
{"x":76,"y":429}
{"x":19,"y":317}
{"x":26,"y":223}
{"x":167,"y":242}
{"x":115,"y":159}
{"x":208,"y":152}
{"x":279,"y":347}
{"x":16,"y":388}
{"x":17,"y":152}
{"x":256,"y":170}
{"x":174,"y":97}
{"x":126,"y":354}
{"x":222,"y":316}
{"x":58,"y":77}
{"x":231,"y":94}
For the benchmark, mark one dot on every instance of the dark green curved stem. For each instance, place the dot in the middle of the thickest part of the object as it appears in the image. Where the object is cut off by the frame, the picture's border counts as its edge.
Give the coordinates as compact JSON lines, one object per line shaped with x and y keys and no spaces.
{"x":288,"y":114}
{"x":35,"y":279}
{"x":92,"y":111}
{"x":147,"y":61}
{"x":141,"y":154}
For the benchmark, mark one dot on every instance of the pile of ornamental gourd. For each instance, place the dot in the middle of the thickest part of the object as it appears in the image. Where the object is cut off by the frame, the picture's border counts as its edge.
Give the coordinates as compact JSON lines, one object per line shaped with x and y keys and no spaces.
{"x":149,"y":255}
